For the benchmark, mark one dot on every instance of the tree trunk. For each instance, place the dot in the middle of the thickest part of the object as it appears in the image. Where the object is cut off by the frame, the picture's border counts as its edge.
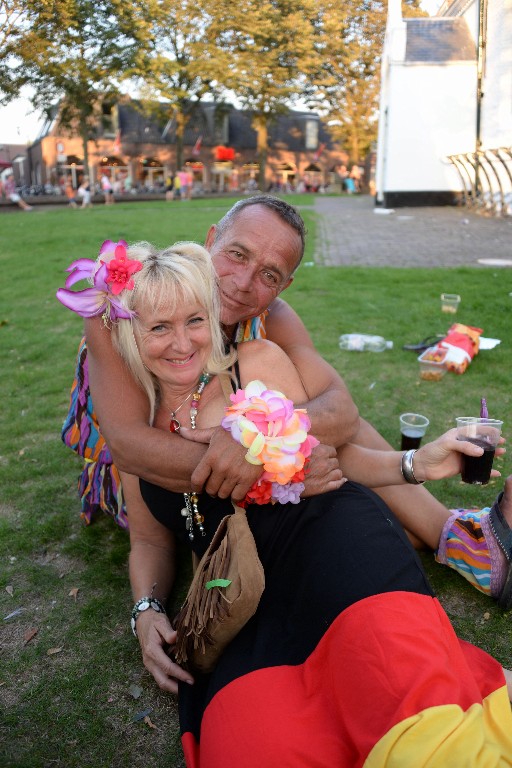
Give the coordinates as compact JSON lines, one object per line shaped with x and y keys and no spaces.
{"x":354,"y":145}
{"x":84,"y":133}
{"x":260,"y":125}
{"x":181,"y":122}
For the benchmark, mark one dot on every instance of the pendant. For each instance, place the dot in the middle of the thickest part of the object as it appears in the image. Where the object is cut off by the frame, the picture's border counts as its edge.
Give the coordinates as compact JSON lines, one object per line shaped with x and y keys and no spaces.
{"x":174,"y":425}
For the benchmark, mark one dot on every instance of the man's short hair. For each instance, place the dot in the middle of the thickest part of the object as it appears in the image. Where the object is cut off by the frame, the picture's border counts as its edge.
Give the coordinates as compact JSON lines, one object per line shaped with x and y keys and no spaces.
{"x":284,"y":210}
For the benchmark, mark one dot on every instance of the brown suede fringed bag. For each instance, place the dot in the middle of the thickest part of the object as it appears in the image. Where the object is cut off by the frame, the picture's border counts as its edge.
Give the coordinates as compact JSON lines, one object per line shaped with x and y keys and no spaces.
{"x":225,"y":590}
{"x":224,"y":594}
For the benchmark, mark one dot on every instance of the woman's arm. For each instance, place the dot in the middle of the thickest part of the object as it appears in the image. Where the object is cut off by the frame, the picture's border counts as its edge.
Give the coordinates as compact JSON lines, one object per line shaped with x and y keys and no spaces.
{"x":433,"y":461}
{"x":152,"y":571}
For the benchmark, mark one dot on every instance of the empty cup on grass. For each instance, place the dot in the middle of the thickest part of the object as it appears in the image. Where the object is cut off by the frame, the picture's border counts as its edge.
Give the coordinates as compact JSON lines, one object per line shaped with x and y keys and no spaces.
{"x":412,"y":427}
{"x":486,"y":433}
{"x":450,"y":302}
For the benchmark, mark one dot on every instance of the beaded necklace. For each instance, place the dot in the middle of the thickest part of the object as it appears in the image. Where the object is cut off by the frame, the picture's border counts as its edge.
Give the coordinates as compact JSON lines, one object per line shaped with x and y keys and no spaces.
{"x":191,"y":510}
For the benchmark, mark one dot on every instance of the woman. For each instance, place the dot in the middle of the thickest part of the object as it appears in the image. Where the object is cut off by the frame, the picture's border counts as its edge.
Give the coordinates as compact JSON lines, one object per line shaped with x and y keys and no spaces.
{"x":360,"y":661}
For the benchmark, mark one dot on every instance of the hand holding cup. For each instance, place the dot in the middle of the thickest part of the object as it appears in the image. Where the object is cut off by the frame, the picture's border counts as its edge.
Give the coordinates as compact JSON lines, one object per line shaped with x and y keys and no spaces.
{"x":485,"y":433}
{"x":445,"y":456}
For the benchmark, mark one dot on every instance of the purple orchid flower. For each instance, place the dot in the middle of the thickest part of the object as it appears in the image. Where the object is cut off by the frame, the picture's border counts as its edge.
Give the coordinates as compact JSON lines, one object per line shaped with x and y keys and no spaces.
{"x":97,"y":300}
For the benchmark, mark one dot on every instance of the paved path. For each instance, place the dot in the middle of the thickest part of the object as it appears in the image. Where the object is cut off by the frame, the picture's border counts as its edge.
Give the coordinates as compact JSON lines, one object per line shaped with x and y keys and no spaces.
{"x":349,"y":232}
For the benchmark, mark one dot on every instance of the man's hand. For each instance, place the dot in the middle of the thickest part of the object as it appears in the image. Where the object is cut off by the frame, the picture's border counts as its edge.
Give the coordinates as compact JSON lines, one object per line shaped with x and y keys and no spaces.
{"x":156,"y":636}
{"x":223,"y":470}
{"x":324,"y":473}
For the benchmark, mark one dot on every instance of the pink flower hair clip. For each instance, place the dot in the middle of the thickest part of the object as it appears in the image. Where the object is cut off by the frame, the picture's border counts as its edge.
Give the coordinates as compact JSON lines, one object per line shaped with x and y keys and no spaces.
{"x":111,"y":275}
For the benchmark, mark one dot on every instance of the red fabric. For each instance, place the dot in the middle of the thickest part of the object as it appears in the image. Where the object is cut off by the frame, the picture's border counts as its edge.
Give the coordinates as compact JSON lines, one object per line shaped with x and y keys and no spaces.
{"x":224,"y":153}
{"x":465,"y":337}
{"x":384,"y":659}
{"x":469,"y":342}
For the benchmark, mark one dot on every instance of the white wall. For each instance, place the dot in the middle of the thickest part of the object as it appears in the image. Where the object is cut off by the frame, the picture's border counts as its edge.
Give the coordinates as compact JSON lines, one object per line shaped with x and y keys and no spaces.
{"x":431,"y":114}
{"x":497,"y":102}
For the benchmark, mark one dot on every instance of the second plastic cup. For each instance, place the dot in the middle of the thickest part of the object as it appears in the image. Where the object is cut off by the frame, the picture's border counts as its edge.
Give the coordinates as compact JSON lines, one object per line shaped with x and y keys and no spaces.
{"x":412,"y":426}
{"x":450,"y":302}
{"x":476,"y":470}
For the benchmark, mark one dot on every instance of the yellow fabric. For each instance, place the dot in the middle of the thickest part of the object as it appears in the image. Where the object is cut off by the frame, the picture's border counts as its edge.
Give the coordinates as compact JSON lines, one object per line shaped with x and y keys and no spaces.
{"x":447,"y":737}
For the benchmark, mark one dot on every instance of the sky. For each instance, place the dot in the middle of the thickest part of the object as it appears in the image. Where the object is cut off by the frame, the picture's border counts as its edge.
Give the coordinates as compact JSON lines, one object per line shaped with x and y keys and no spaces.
{"x":19,"y":124}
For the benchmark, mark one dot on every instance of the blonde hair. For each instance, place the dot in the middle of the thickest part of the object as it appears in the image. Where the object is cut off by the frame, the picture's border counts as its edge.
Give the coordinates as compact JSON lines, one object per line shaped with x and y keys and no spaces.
{"x":181,"y":273}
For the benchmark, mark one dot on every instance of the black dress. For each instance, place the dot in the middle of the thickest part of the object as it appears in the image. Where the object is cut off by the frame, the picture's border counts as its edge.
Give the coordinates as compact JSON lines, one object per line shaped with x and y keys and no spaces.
{"x":348,"y":643}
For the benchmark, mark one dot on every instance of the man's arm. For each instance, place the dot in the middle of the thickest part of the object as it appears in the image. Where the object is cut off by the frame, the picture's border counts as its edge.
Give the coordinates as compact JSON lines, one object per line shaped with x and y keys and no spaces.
{"x":333,"y":413}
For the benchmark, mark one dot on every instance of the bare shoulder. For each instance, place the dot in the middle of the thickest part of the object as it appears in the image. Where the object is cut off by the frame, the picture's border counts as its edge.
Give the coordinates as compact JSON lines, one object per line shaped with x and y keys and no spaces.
{"x":285,"y":327}
{"x":266,"y":361}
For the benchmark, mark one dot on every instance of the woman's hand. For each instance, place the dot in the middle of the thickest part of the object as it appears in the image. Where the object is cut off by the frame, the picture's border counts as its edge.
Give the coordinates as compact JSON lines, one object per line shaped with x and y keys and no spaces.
{"x":157,"y":639}
{"x":442,"y":457}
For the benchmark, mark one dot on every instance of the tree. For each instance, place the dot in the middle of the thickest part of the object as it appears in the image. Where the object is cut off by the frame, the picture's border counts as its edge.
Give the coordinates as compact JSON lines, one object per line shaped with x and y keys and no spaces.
{"x":178,"y":65}
{"x":12,"y":17}
{"x":346,"y":85}
{"x":270,"y":48}
{"x":71,"y":52}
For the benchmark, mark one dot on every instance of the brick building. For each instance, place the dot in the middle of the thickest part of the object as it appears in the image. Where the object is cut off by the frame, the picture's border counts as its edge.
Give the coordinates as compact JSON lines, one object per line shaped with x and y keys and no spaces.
{"x":137,"y":148}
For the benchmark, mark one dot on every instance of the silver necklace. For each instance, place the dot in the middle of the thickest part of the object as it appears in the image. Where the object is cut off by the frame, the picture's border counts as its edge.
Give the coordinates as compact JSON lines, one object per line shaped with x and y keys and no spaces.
{"x":175,"y":424}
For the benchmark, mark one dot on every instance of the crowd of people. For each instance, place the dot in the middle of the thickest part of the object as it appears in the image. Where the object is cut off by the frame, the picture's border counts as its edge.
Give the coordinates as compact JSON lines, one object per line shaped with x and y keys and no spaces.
{"x":359,"y":657}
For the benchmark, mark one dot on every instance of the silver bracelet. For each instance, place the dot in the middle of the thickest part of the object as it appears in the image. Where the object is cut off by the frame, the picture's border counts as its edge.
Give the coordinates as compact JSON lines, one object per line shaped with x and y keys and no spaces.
{"x":407,"y":468}
{"x":144,"y":604}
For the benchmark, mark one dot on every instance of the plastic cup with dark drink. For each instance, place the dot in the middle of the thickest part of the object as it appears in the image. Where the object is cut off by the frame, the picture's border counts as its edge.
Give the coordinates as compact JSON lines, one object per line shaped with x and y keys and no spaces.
{"x":412,"y":427}
{"x":486,"y":433}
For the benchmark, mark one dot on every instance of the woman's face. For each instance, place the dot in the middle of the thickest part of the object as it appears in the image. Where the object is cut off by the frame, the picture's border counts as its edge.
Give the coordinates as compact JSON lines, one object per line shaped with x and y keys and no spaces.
{"x":175,"y":345}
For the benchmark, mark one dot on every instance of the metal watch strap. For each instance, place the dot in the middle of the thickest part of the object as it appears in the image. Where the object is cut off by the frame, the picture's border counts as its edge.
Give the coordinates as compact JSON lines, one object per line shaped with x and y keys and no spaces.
{"x":144,"y":604}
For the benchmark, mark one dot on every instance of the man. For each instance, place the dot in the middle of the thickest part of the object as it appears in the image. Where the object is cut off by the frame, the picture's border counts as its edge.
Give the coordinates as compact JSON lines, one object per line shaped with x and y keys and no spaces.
{"x":255,"y":248}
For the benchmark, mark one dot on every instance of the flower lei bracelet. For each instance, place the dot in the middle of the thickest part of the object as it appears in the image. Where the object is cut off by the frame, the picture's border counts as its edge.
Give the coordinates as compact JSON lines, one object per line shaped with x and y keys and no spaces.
{"x":276,"y":436}
{"x":110,"y":275}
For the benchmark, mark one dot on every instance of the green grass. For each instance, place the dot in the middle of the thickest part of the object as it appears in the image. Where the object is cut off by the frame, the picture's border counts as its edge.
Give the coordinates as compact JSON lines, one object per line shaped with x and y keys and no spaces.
{"x":79,"y":697}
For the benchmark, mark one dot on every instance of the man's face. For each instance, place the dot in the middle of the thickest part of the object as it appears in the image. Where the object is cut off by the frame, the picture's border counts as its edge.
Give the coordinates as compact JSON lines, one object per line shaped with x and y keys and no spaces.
{"x":254,"y":259}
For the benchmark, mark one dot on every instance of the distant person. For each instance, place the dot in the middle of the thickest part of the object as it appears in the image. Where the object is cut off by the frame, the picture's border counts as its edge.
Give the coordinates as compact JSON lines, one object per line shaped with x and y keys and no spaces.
{"x":71,"y":194}
{"x":350,"y":186}
{"x":177,"y":187}
{"x":184,"y":184}
{"x":14,"y":197}
{"x":84,"y":193}
{"x":343,"y":174}
{"x":106,"y":186}
{"x":169,"y":187}
{"x":355,"y":175}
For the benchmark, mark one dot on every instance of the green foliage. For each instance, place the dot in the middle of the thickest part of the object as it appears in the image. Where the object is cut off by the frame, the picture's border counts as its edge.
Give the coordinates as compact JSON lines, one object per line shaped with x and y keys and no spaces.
{"x":178,"y":60}
{"x":71,"y":53}
{"x":80,"y":697}
{"x":267,"y":53}
{"x":346,"y":84}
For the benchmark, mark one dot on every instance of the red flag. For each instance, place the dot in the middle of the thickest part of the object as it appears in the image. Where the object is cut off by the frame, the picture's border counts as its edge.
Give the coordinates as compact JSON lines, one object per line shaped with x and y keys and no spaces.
{"x":319,"y":151}
{"x":197,"y":147}
{"x":116,"y":146}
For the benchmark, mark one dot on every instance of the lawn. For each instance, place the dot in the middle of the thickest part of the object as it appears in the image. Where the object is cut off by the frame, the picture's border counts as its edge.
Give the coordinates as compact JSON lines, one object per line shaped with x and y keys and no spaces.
{"x":72,"y":688}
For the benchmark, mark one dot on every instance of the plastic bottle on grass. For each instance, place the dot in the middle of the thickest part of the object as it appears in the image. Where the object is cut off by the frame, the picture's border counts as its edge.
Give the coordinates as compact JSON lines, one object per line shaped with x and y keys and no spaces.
{"x":362,"y":342}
